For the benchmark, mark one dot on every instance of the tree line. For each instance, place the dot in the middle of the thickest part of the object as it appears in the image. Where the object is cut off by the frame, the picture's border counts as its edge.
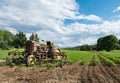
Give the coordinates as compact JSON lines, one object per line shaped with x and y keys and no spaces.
{"x":108,"y":43}
{"x":8,"y":40}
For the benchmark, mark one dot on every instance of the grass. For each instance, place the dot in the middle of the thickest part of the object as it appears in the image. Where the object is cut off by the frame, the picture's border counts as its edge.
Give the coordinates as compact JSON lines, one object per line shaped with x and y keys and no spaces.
{"x":4,"y":54}
{"x":75,"y":56}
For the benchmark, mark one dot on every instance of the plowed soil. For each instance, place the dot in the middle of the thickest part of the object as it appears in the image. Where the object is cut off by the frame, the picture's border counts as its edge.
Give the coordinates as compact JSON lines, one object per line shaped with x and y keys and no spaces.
{"x":75,"y":73}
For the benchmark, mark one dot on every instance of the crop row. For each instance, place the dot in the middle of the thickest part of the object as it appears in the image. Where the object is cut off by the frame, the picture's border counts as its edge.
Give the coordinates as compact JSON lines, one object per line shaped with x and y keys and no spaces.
{"x":84,"y":56}
{"x":106,"y":60}
{"x":110,"y":58}
{"x":95,"y":60}
{"x":113,"y":56}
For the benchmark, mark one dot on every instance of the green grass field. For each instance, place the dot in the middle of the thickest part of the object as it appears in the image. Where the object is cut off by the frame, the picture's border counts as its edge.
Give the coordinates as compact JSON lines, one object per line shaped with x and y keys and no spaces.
{"x":110,"y":58}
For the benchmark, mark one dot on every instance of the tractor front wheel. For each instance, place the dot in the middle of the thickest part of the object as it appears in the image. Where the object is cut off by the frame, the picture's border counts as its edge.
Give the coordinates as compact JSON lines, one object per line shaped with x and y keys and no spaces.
{"x":31,"y":60}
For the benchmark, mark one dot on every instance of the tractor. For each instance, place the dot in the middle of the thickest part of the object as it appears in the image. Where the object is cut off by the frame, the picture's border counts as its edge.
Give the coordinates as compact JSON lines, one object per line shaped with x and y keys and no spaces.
{"x":38,"y":51}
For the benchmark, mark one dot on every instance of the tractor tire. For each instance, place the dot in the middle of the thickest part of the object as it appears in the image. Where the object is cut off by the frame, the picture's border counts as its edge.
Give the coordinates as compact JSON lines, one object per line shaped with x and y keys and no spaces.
{"x":31,"y":60}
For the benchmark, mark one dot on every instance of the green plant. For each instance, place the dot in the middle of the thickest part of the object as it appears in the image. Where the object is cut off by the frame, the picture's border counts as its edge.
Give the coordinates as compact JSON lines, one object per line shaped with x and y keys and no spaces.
{"x":74,"y":56}
{"x":113,"y":55}
{"x":95,"y":60}
{"x":107,"y":61}
{"x":50,"y":66}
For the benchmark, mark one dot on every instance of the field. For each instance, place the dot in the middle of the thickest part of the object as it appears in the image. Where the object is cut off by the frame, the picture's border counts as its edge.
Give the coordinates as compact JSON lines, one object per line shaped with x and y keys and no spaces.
{"x":84,"y":67}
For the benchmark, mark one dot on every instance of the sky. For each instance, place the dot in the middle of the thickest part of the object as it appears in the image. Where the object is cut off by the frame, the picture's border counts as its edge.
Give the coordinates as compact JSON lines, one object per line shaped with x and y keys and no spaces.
{"x":67,"y":23}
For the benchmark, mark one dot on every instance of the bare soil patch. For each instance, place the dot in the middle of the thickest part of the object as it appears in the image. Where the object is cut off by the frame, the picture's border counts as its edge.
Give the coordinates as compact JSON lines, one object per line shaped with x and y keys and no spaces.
{"x":75,"y":73}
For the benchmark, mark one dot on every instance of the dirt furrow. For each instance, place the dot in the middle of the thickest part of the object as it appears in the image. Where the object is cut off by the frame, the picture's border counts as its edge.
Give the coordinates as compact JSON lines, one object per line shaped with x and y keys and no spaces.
{"x":84,"y":74}
{"x":91,"y":74}
{"x":99,"y":75}
{"x":75,"y":73}
{"x":113,"y":74}
{"x":116,"y":70}
{"x":108,"y":76}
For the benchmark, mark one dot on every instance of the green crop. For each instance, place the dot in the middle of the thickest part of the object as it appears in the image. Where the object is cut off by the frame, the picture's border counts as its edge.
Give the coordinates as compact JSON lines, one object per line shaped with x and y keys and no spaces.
{"x":107,"y":61}
{"x":75,"y":56}
{"x":113,"y":55}
{"x":95,"y":60}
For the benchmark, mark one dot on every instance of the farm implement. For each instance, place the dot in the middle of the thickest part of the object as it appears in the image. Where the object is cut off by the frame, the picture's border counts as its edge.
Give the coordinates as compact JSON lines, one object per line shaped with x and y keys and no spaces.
{"x":37,"y":51}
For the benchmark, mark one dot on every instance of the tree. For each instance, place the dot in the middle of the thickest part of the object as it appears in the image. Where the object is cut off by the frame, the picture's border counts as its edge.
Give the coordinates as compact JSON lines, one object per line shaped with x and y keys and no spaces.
{"x":8,"y":37}
{"x":20,"y":40}
{"x":4,"y":46}
{"x":108,"y":43}
{"x":1,"y":35}
{"x":85,"y":47}
{"x":118,"y":46}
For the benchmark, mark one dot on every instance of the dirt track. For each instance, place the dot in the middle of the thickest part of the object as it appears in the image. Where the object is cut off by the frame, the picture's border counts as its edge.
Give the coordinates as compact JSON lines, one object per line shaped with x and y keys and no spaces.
{"x":76,"y":73}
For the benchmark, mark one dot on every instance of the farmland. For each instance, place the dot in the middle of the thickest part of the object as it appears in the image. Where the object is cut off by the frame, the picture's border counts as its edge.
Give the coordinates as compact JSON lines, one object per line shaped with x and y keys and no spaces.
{"x":86,"y":67}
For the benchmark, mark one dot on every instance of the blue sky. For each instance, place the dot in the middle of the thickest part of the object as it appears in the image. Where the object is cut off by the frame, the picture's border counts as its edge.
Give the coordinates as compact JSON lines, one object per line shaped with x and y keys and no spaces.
{"x":68,"y":23}
{"x":102,"y":8}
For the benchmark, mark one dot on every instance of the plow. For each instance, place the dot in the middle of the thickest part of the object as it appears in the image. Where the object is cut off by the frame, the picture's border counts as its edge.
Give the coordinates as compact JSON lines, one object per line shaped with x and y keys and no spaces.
{"x":37,"y":51}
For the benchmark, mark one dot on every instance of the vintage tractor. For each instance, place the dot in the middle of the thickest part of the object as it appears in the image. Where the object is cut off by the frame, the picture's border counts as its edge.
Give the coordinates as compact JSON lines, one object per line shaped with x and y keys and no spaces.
{"x":38,"y":51}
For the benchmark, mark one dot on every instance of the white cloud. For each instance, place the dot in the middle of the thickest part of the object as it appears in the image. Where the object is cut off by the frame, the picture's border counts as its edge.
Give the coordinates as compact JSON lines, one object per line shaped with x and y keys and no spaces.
{"x":91,"y":18}
{"x":38,"y":12}
{"x":12,"y":30}
{"x":116,"y":10}
{"x":47,"y":19}
{"x":89,"y":33}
